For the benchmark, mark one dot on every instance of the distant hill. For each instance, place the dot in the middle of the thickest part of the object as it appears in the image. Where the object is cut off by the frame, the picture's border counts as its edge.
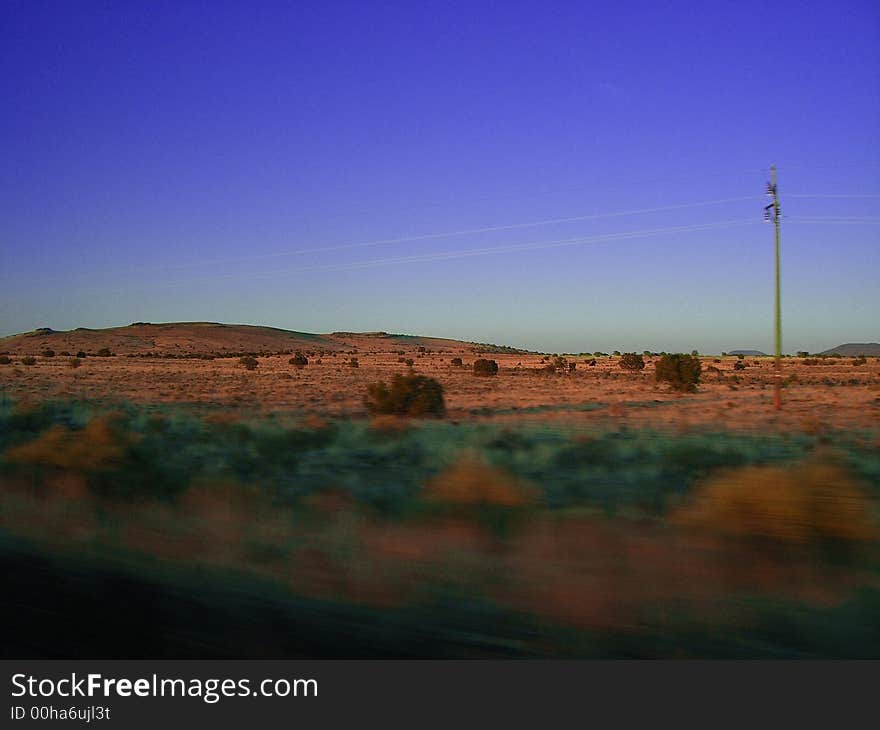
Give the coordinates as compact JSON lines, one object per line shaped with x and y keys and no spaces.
{"x":749,"y":353}
{"x":202,"y":338}
{"x":855,"y":349}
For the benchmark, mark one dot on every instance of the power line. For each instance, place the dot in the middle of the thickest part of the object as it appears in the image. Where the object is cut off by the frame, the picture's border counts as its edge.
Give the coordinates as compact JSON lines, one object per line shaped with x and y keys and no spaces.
{"x":837,"y":166}
{"x":832,"y":195}
{"x":837,"y":218}
{"x":833,"y":222}
{"x":619,"y":184}
{"x":466,"y":253}
{"x":434,"y":236}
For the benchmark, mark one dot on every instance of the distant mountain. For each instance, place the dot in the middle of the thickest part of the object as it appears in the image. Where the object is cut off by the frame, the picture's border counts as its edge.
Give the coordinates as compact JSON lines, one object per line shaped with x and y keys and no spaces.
{"x":750,"y":353}
{"x":855,"y":349}
{"x":202,"y":338}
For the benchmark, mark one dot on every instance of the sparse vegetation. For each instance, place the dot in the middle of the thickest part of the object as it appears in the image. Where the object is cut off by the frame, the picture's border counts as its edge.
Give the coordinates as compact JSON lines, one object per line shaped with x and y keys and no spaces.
{"x":485,"y":368}
{"x":299,"y":361}
{"x":632,"y":361}
{"x":5,"y":360}
{"x":28,"y":360}
{"x":812,"y":503}
{"x":681,"y":371}
{"x":408,"y":395}
{"x":248,"y":362}
{"x":48,"y":353}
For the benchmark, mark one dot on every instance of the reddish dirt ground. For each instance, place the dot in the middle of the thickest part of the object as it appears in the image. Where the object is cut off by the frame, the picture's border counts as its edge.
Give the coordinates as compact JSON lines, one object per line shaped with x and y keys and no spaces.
{"x":833,"y":394}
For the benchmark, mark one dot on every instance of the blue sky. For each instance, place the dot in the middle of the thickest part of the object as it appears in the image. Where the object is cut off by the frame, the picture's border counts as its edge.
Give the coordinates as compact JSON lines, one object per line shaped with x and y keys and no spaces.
{"x":294,"y":164}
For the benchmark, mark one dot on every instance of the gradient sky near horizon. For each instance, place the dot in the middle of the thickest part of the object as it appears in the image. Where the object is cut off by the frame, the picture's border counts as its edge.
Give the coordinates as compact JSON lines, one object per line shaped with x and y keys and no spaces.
{"x":298,"y":165}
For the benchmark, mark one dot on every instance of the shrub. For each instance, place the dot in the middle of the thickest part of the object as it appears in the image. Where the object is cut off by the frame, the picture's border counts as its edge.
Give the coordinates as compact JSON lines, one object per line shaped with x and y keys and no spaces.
{"x":739,"y":365}
{"x":811,"y":361}
{"x":408,"y":395}
{"x":299,"y":361}
{"x":97,"y":446}
{"x":409,"y":362}
{"x":48,"y":353}
{"x":475,"y":490}
{"x":859,"y":361}
{"x":28,"y":360}
{"x":74,"y":363}
{"x":80,"y":354}
{"x":810,"y":503}
{"x":632,"y":361}
{"x":5,"y":360}
{"x":681,"y":371}
{"x":456,"y":362}
{"x":471,"y":481}
{"x":354,"y":363}
{"x":249,"y":362}
{"x":592,"y":363}
{"x":105,"y":352}
{"x":485,"y":367}
{"x":572,"y":366}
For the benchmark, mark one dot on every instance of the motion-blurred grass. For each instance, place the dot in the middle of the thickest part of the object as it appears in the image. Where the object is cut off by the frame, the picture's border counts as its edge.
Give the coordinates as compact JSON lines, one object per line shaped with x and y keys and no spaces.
{"x":626,"y":542}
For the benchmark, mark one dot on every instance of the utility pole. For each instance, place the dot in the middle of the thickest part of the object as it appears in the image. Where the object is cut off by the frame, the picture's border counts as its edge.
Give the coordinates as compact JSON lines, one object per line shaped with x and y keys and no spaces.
{"x":772,"y":214}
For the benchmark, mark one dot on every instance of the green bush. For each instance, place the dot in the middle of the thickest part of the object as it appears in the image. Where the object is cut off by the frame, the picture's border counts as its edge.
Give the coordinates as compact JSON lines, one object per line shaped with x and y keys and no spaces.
{"x":5,"y":360}
{"x":681,"y":371}
{"x":105,"y":352}
{"x":48,"y":353}
{"x":408,"y":395}
{"x":632,"y":361}
{"x":299,"y":360}
{"x":80,"y":354}
{"x":28,"y":360}
{"x":485,"y":367}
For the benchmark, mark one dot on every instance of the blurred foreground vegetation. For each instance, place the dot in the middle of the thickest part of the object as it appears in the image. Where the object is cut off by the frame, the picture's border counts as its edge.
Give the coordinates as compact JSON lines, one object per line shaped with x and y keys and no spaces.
{"x":395,"y":537}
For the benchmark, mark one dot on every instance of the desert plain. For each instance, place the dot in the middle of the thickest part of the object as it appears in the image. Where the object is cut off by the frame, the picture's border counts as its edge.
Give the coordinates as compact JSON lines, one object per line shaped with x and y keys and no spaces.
{"x":163,"y":363}
{"x":199,"y":490}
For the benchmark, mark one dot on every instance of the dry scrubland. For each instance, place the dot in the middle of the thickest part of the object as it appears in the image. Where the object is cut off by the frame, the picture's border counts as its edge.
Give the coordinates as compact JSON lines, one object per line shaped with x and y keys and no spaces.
{"x":552,"y":511}
{"x":832,"y":394}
